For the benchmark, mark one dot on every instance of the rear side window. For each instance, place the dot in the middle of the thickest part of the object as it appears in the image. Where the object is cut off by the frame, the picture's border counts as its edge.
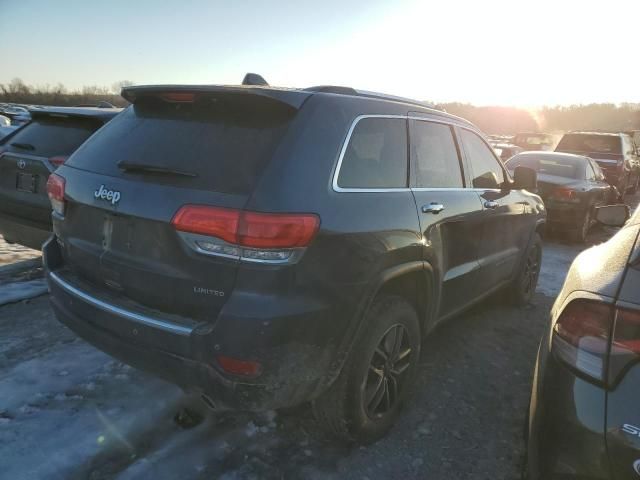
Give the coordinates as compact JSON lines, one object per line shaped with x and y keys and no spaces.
{"x":578,"y":142}
{"x":435,"y":156}
{"x":376,"y":155}
{"x":223,"y":142}
{"x":486,"y":169}
{"x":49,"y":137}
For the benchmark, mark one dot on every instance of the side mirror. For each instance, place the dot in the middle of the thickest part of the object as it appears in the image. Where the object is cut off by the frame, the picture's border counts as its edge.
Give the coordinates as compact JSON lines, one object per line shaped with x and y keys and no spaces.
{"x":612,"y":215}
{"x":525,"y":178}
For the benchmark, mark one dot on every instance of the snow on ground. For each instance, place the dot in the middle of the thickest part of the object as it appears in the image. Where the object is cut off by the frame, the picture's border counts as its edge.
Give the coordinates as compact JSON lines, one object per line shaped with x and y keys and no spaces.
{"x":69,"y":411}
{"x":12,"y":252}
{"x":15,"y":291}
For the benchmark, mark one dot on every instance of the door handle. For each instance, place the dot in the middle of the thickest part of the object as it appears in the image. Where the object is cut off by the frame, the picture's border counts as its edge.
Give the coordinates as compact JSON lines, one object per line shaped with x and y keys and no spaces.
{"x":433,"y":207}
{"x":491,"y":204}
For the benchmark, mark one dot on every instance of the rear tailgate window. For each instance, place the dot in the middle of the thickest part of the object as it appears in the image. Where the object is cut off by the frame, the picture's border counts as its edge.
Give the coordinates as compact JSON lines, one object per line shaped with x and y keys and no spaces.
{"x":222,"y":141}
{"x":609,"y":144}
{"x":53,"y":136}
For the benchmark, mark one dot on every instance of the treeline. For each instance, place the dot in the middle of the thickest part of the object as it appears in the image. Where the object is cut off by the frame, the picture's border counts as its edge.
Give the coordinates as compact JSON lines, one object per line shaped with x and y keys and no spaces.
{"x":17,"y":91}
{"x":502,"y":120}
{"x":510,"y":120}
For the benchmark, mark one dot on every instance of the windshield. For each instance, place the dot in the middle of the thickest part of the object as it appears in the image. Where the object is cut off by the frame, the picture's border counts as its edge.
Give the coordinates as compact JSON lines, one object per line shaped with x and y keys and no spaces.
{"x":559,"y":166}
{"x":591,"y":143}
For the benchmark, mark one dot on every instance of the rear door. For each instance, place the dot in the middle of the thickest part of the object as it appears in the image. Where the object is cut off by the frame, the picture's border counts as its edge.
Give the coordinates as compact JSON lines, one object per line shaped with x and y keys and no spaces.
{"x":450,"y":214}
{"x":158,"y":156}
{"x":30,"y":155}
{"x":505,"y":232}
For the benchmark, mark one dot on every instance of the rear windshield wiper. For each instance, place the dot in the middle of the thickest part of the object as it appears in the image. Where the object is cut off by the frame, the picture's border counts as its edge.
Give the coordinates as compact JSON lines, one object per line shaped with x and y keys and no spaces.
{"x":143,"y":167}
{"x":23,"y":146}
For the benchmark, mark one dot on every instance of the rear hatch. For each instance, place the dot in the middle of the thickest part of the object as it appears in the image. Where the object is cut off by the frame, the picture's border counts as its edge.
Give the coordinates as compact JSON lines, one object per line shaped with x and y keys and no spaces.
{"x":30,"y":155}
{"x":125,"y":185}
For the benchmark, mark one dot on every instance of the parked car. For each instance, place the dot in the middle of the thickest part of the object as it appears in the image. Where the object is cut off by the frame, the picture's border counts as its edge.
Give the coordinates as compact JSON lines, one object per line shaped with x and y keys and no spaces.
{"x":28,"y":156}
{"x":534,"y":141}
{"x":615,"y":153}
{"x":262,"y":246}
{"x":16,"y":114}
{"x":572,"y":187}
{"x":584,"y":420}
{"x":505,"y":151}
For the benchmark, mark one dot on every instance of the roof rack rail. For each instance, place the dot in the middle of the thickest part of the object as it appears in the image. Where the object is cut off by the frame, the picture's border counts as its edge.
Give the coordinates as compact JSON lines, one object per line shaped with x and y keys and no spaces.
{"x":363,"y":93}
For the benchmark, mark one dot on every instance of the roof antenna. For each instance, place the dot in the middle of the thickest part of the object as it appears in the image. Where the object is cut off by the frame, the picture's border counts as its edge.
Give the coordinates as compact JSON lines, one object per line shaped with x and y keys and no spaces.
{"x":254,"y":79}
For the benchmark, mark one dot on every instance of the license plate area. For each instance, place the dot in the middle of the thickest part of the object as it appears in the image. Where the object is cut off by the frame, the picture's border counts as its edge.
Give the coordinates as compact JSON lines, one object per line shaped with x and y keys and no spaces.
{"x":26,"y":182}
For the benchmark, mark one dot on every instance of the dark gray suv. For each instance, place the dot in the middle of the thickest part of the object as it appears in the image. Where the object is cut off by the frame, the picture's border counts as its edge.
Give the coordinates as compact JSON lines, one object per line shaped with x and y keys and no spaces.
{"x":267,"y":247}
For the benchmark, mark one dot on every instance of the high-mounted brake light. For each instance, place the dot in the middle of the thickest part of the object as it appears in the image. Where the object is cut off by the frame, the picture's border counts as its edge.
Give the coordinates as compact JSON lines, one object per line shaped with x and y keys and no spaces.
{"x":252,"y":236}
{"x":58,"y":160}
{"x":178,"y":97}
{"x":55,"y":191}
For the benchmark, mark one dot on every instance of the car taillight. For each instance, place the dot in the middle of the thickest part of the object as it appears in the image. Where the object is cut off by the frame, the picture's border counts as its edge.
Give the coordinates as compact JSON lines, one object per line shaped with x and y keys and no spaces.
{"x":581,"y":337}
{"x":58,"y":160}
{"x":55,"y":191}
{"x":597,"y":339}
{"x":625,"y":346}
{"x":564,"y":194}
{"x":246,"y":368}
{"x":251,"y":236}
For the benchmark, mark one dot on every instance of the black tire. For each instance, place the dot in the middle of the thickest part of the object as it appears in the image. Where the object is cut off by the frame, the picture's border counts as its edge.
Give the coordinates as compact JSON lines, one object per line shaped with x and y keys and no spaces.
{"x":523,"y":287}
{"x":580,"y":234}
{"x":348,"y":410}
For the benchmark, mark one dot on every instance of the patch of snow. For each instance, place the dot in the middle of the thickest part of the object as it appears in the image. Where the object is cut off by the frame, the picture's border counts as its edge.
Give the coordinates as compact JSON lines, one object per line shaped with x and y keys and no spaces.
{"x":18,"y":291}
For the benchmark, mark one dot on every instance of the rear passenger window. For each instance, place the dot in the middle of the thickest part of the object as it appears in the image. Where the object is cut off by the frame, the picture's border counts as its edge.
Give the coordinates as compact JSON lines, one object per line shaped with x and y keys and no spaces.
{"x":486,"y":169}
{"x":376,"y":156}
{"x":435,"y":156}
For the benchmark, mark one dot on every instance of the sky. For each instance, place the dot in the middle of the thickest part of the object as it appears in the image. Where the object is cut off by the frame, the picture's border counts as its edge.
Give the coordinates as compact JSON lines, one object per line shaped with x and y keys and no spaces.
{"x":489,"y":52}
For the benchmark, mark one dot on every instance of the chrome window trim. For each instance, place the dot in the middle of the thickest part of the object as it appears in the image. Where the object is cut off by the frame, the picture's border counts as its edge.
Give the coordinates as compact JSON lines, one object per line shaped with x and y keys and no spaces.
{"x":106,"y":307}
{"x":343,"y":150}
{"x":345,"y":144}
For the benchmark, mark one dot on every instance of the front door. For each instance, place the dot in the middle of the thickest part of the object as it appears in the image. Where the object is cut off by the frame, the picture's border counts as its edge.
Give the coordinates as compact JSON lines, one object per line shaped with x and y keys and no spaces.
{"x":505,"y":232}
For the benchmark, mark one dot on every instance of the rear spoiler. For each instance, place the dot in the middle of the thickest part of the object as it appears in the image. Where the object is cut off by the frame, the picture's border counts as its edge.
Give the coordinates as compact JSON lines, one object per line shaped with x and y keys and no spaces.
{"x":291,"y":98}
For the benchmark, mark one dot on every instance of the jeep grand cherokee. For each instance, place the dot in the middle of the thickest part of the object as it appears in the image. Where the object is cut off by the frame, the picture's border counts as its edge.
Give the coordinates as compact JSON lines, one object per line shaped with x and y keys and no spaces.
{"x":266,"y":247}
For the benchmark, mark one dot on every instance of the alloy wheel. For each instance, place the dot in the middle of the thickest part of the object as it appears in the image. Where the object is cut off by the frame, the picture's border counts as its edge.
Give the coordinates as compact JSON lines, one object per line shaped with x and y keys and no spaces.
{"x":387,"y":368}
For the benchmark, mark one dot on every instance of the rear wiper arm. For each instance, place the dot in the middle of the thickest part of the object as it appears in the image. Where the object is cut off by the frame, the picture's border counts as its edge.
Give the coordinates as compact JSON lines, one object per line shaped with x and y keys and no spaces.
{"x":143,"y":167}
{"x":23,"y":146}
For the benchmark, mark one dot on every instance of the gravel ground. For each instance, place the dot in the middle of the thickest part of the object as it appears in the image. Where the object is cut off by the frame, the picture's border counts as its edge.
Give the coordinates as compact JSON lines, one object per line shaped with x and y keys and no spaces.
{"x":69,"y":411}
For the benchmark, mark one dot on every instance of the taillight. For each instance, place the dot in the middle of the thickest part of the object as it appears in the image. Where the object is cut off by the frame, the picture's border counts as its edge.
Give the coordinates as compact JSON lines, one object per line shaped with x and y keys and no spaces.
{"x":564,"y":194}
{"x":581,"y":337}
{"x":246,"y":368}
{"x":58,"y":160}
{"x":625,"y":346}
{"x":55,"y":191}
{"x":597,"y":339}
{"x":251,"y":236}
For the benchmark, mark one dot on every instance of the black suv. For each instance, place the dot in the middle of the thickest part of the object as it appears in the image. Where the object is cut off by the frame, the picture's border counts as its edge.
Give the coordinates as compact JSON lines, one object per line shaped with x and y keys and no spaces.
{"x":27,"y":158}
{"x":265,"y":247}
{"x":615,"y":153}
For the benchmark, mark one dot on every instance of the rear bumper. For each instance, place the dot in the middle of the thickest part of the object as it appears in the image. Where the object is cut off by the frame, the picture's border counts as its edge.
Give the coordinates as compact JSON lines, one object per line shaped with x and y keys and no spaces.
{"x":184,"y":352}
{"x":24,"y":232}
{"x":566,"y":431}
{"x":566,"y":216}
